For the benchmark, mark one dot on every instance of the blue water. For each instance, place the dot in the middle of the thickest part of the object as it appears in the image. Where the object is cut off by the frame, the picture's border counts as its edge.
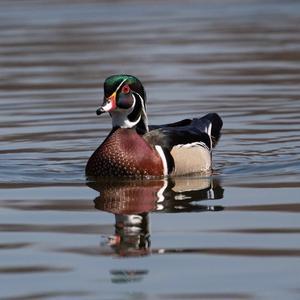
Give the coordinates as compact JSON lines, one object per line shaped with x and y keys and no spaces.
{"x":234,"y":235}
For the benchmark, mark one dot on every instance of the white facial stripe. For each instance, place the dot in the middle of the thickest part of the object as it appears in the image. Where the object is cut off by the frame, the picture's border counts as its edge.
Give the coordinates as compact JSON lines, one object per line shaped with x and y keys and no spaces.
{"x":133,"y":105}
{"x":120,"y":85}
{"x":145,"y":118}
{"x":120,"y":116}
{"x":142,"y":102}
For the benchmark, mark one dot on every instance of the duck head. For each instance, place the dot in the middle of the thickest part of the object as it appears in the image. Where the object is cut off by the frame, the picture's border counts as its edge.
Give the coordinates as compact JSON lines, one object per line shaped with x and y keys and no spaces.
{"x":125,"y":101}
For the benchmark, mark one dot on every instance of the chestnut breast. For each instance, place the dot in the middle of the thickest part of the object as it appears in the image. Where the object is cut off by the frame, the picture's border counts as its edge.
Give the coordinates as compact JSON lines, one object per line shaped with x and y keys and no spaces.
{"x":125,"y":153}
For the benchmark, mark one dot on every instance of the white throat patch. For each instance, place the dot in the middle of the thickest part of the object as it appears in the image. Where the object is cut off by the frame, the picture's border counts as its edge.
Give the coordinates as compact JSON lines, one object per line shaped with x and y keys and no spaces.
{"x":120,"y":117}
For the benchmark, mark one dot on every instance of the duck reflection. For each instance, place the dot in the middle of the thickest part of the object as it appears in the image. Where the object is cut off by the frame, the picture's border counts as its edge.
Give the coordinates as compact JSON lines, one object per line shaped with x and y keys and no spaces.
{"x":132,"y":237}
{"x":132,"y":200}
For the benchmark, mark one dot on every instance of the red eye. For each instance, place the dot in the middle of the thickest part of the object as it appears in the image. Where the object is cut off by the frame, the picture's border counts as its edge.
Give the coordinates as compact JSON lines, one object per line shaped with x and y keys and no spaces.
{"x":125,"y":89}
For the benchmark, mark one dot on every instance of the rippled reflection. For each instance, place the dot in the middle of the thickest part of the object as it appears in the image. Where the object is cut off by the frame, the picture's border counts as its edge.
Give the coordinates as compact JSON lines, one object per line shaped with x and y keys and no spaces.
{"x":131,"y":201}
{"x":124,"y":276}
{"x":238,"y":58}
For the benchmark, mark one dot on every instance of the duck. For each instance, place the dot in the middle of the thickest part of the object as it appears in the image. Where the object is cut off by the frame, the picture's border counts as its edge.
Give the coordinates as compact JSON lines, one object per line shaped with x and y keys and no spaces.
{"x":135,"y":149}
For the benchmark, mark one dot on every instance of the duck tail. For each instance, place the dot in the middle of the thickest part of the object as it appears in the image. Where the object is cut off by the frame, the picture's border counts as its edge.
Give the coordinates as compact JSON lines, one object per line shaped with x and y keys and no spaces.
{"x":211,"y":124}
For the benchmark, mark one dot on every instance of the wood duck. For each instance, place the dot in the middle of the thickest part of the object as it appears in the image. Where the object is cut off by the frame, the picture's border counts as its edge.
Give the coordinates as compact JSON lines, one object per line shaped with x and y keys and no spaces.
{"x":135,"y":149}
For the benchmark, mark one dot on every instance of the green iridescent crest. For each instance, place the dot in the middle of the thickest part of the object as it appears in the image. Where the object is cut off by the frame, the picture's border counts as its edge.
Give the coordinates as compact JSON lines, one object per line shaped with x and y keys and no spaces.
{"x":113,"y":82}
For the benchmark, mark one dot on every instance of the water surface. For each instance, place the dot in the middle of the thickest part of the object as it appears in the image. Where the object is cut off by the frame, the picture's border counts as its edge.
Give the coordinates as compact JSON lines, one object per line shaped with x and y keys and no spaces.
{"x":232,"y":236}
